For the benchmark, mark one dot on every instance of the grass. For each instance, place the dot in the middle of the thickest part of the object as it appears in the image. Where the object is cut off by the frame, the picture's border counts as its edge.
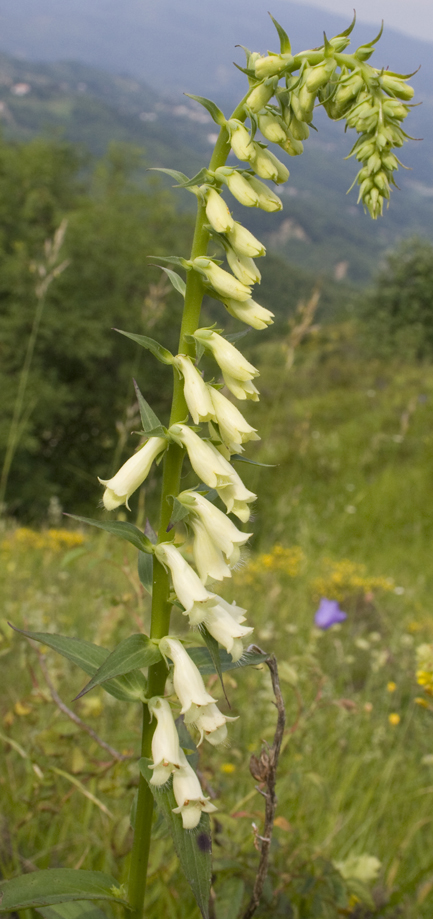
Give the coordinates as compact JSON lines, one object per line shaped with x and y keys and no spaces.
{"x":345,"y":514}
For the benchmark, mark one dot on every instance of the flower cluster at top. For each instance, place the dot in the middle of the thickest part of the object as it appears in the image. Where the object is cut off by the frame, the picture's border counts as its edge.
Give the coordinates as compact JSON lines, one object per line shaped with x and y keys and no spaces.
{"x":345,"y":85}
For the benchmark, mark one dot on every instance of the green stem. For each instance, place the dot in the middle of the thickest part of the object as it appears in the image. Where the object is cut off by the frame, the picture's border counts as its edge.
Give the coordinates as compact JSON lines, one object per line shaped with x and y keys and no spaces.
{"x":161,"y":608}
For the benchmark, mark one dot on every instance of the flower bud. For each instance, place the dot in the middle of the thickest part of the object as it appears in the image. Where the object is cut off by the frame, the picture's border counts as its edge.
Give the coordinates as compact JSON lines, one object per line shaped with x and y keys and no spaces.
{"x":195,"y":390}
{"x":250,"y":312}
{"x":238,"y":185}
{"x":302,"y":103}
{"x":320,"y":75}
{"x":132,"y":474}
{"x":260,"y":95}
{"x":273,"y":128}
{"x":187,"y":585}
{"x":298,"y":128}
{"x":349,"y":89}
{"x":166,"y":752}
{"x":267,"y":199}
{"x":267,"y":166}
{"x":205,"y":459}
{"x":189,"y":796}
{"x":233,"y":427}
{"x":292,"y":146}
{"x":187,"y":679}
{"x":243,"y":267}
{"x":229,"y":358}
{"x":240,"y":140}
{"x":272,"y":64}
{"x":223,"y":282}
{"x":217,"y":211}
{"x":244,"y":243}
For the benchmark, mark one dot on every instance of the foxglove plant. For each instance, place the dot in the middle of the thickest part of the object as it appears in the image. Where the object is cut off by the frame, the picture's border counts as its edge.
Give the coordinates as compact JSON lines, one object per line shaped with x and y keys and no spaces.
{"x":283,"y":90}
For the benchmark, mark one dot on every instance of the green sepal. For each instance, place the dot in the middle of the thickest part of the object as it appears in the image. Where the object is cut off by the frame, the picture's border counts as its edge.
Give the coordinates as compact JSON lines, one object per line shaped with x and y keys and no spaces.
{"x":179,"y":510}
{"x":175,"y":278}
{"x":57,"y":885}
{"x":236,"y":457}
{"x":89,"y":657}
{"x":193,"y":847}
{"x":198,"y":179}
{"x":253,"y":119}
{"x":251,"y":74}
{"x":176,"y":260}
{"x":132,"y":653}
{"x":285,"y":45}
{"x":349,"y":28}
{"x":151,"y":423}
{"x":213,"y":109}
{"x":213,"y":648}
{"x":236,"y":336}
{"x":329,"y":50}
{"x":162,"y":354}
{"x":76,"y":909}
{"x":203,"y":660}
{"x":119,"y":528}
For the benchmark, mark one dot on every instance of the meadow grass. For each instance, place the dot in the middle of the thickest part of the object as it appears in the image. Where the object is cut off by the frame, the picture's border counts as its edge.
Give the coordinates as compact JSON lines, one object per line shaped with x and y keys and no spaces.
{"x":345,"y":514}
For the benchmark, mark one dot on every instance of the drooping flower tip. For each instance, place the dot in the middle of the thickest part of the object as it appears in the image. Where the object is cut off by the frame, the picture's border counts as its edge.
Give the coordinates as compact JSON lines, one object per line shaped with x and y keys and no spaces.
{"x":132,"y":474}
{"x":328,"y":614}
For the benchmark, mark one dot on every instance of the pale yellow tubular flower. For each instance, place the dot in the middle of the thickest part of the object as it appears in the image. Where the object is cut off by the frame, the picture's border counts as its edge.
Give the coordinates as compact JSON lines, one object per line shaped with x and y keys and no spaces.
{"x":268,"y":166}
{"x":240,"y":141}
{"x":223,"y":282}
{"x":244,"y":243}
{"x":233,"y":427}
{"x":208,"y":558}
{"x":205,"y":459}
{"x":195,"y":390}
{"x":239,"y":186}
{"x":250,"y":312}
{"x":166,"y":752}
{"x":228,"y":358}
{"x":132,"y":474}
{"x":189,"y":797}
{"x":241,"y":389}
{"x":217,"y":211}
{"x":243,"y":267}
{"x":267,"y":199}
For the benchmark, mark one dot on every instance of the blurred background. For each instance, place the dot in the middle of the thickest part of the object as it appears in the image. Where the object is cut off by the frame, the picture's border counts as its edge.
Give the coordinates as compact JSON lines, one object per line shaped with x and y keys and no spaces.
{"x":91,"y":97}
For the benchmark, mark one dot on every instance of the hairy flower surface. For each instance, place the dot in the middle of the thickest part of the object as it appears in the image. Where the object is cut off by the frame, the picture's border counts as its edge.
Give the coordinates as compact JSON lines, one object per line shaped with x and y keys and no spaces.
{"x":132,"y":474}
{"x":233,"y":427}
{"x":166,"y":752}
{"x":210,"y":722}
{"x":223,"y":531}
{"x":208,"y":557}
{"x":237,"y":498}
{"x":226,"y":629}
{"x":187,"y":679}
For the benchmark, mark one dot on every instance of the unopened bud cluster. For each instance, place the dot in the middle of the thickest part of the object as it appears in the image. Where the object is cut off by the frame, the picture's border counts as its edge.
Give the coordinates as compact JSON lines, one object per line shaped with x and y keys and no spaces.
{"x":373,"y":103}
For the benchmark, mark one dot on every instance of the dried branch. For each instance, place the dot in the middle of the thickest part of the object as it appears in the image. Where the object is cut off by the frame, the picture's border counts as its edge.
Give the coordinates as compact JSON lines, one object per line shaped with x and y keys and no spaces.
{"x":120,"y":757}
{"x":264,"y":769}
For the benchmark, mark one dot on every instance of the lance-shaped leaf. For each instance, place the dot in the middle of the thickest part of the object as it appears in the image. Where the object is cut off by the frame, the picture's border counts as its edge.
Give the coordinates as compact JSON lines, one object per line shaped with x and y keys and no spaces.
{"x":77,"y":909}
{"x":193,"y":847}
{"x":180,"y":177}
{"x":149,"y":420}
{"x":204,"y":662}
{"x":213,"y":109}
{"x":161,"y":353}
{"x":245,"y":459}
{"x":179,"y":510}
{"x":173,"y":259}
{"x":175,"y":279}
{"x":285,"y":45}
{"x":129,"y":688}
{"x":119,"y":528}
{"x":132,"y":653}
{"x":145,"y":571}
{"x":57,"y":885}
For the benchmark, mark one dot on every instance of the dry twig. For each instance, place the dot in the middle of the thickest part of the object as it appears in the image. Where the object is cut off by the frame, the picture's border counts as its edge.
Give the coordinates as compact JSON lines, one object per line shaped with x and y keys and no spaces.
{"x":264,"y":769}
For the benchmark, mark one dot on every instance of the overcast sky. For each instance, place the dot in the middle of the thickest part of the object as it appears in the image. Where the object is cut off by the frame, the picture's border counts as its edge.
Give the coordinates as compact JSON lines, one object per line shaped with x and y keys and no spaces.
{"x":415,"y":17}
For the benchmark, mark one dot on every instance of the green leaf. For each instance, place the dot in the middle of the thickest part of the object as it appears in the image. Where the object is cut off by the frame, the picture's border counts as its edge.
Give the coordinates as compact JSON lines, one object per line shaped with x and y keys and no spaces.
{"x":149,"y":420}
{"x":132,"y":653}
{"x":229,"y":896}
{"x":193,"y":847}
{"x":90,"y":657}
{"x":213,"y":648}
{"x":179,"y":176}
{"x":57,"y":885}
{"x":173,"y":260}
{"x":145,"y":571}
{"x":179,"y":510}
{"x":161,"y":353}
{"x":175,"y":278}
{"x":236,"y":457}
{"x":203,"y":660}
{"x":213,"y":109}
{"x":285,"y":46}
{"x":119,"y":528}
{"x":77,"y":909}
{"x":198,"y":179}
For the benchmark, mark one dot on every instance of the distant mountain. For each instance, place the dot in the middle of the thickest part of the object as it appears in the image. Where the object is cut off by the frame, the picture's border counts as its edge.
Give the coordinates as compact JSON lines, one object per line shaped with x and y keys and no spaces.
{"x":188,"y":46}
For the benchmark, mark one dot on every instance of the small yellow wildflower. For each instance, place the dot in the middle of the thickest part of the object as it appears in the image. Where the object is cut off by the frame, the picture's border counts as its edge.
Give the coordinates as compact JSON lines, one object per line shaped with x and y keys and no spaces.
{"x":420,"y":701}
{"x":228,"y":768}
{"x":394,"y":719}
{"x":391,"y":686}
{"x":53,"y":540}
{"x":342,"y":578}
{"x":287,"y":560}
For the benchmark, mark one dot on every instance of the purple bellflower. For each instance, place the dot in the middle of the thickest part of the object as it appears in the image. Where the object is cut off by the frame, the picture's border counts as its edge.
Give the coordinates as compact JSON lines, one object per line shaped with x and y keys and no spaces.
{"x":328,"y":614}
